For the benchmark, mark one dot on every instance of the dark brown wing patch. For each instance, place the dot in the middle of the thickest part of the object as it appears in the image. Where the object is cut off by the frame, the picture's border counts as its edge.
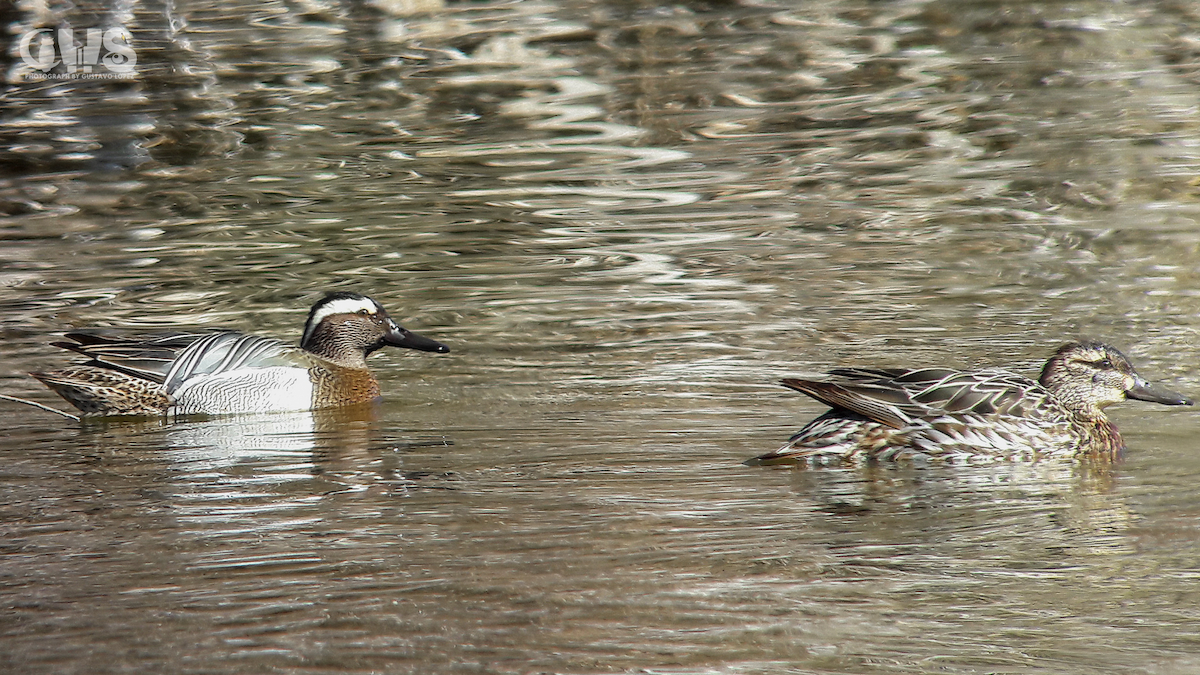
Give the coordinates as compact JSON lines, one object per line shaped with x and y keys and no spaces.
{"x":867,"y":403}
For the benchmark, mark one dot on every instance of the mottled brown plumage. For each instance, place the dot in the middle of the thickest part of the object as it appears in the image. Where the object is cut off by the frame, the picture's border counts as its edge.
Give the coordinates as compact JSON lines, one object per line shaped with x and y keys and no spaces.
{"x":939,"y":413}
{"x":99,"y":392}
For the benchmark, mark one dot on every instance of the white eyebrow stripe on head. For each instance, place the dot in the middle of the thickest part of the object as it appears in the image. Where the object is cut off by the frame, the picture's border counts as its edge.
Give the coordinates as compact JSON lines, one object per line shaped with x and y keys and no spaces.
{"x":343,"y":306}
{"x":346,"y":305}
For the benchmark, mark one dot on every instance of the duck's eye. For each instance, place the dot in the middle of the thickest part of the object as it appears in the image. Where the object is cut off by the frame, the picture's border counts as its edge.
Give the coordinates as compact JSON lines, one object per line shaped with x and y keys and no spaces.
{"x":1106,"y":364}
{"x":364,"y":312}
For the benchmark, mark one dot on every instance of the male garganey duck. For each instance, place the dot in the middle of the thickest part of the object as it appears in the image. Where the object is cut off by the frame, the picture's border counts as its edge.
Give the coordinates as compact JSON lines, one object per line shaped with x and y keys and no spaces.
{"x":217,"y":372}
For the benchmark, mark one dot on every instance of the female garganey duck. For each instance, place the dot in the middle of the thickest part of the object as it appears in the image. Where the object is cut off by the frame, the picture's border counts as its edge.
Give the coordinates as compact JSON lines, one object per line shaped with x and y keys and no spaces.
{"x":217,"y":372}
{"x":893,"y":413}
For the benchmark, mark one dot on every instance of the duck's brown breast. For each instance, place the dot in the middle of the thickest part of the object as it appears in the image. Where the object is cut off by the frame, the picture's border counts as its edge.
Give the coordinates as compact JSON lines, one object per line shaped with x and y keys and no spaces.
{"x":335,"y":385}
{"x":1102,"y":440}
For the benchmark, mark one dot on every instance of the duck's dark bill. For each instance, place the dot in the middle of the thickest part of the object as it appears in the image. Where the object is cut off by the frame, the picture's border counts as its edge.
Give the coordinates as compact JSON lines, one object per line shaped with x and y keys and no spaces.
{"x":408,"y":339}
{"x":1144,"y":391}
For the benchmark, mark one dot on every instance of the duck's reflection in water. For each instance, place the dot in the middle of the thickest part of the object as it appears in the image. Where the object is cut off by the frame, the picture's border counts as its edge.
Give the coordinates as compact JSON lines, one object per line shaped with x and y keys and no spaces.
{"x":248,"y":465}
{"x":1061,"y":505}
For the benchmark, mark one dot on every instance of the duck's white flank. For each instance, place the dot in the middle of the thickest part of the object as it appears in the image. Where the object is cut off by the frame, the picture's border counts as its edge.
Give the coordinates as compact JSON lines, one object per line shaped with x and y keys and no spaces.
{"x":273,"y":389}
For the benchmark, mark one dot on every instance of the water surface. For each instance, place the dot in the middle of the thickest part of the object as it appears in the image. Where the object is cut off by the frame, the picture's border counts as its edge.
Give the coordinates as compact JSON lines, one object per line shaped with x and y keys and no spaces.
{"x":627,"y":220}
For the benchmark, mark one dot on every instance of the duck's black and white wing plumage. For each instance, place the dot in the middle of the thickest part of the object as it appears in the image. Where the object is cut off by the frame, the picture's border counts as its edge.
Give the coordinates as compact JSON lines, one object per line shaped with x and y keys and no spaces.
{"x":205,"y":371}
{"x":233,"y":372}
{"x":140,"y":354}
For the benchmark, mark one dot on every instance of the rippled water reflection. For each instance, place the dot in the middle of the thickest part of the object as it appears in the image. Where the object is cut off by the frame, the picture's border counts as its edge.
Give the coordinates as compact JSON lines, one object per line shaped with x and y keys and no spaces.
{"x":627,"y":220}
